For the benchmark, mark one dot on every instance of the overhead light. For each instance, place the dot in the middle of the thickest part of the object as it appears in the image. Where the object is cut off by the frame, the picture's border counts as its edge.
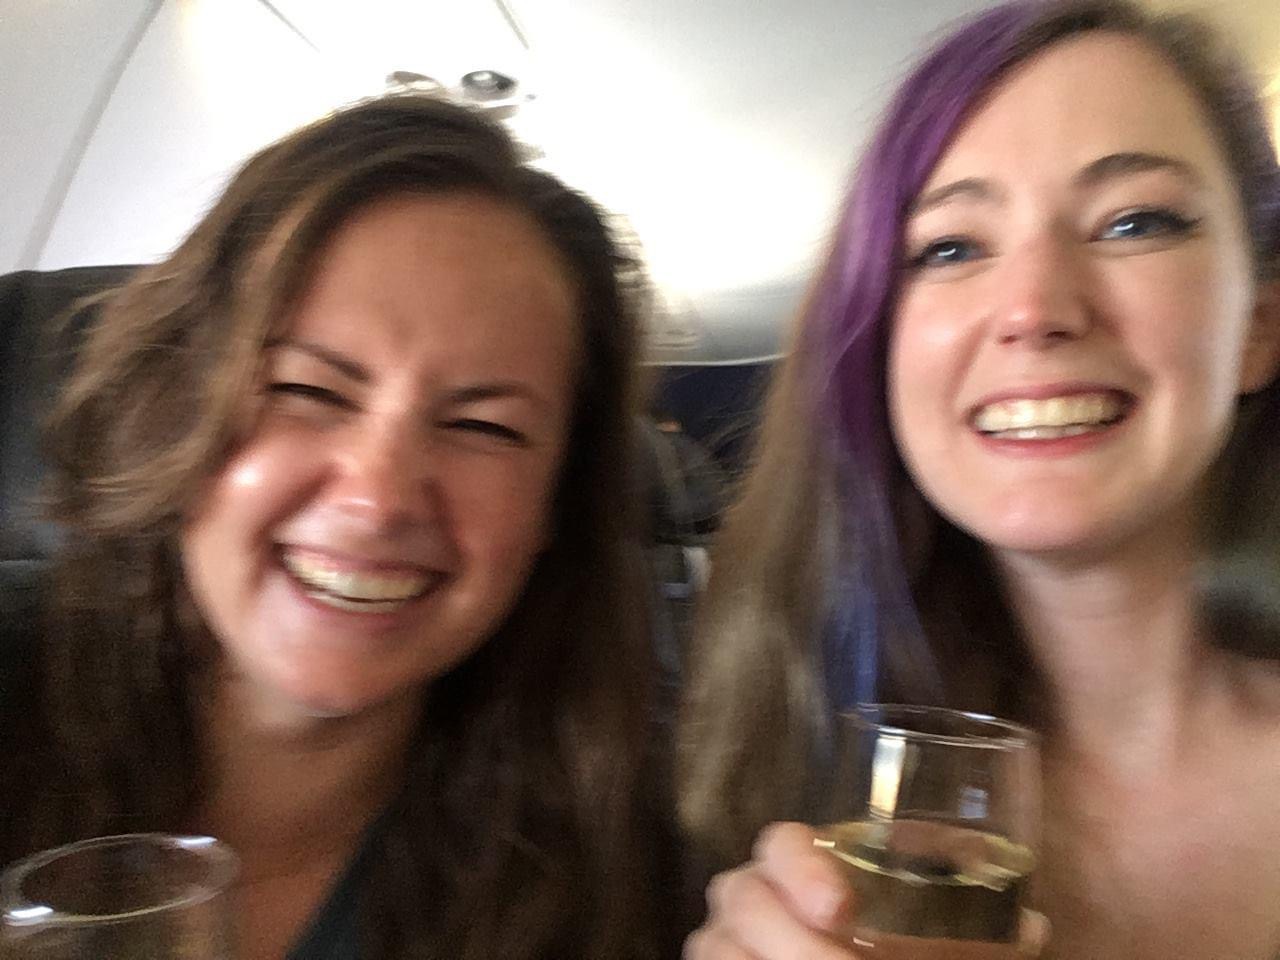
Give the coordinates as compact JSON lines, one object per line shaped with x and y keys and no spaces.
{"x":404,"y":81}
{"x":488,"y":85}
{"x":492,"y":91}
{"x":497,"y":94}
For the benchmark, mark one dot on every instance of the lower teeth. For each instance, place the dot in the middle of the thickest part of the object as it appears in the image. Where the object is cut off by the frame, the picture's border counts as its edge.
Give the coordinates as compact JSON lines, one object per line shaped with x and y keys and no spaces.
{"x":319,"y":592}
{"x":360,"y":606}
{"x":1047,"y":433}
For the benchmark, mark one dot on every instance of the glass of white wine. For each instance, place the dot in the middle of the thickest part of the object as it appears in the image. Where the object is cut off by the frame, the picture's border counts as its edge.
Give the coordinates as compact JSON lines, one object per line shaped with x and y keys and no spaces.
{"x":140,"y":896}
{"x":935,"y":817}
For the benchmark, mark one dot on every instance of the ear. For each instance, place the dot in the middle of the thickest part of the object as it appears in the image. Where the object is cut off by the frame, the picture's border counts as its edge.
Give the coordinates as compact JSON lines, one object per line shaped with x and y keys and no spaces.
{"x":1261,"y":363}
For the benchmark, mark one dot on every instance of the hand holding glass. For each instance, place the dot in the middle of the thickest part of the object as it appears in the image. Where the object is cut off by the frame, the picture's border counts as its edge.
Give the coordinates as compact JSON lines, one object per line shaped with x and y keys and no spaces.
{"x":935,"y":816}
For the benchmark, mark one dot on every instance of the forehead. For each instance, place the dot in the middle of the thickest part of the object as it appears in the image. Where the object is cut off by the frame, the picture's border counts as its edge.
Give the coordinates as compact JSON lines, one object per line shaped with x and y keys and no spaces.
{"x":446,"y":242}
{"x":1085,"y":97}
{"x":461,"y":270}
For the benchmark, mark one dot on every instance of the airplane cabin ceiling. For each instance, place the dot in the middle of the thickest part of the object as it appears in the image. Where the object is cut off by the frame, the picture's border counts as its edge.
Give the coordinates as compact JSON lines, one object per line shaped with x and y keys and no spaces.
{"x":721,"y":131}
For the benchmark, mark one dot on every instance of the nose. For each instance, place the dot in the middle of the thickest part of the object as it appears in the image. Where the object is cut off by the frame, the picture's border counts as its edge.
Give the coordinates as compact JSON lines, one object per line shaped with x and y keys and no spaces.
{"x":1042,"y":299}
{"x":382,"y":479}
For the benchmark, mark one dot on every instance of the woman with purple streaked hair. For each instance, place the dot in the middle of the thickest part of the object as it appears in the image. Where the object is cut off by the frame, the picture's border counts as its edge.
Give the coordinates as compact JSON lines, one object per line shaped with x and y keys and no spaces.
{"x":1023,"y":459}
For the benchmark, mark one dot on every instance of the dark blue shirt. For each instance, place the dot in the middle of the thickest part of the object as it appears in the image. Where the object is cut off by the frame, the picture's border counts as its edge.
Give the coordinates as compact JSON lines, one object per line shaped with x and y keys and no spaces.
{"x":334,"y":932}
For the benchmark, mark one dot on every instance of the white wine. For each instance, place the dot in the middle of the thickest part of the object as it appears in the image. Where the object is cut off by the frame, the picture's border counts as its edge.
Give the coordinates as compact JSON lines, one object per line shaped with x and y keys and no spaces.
{"x":932,"y":880}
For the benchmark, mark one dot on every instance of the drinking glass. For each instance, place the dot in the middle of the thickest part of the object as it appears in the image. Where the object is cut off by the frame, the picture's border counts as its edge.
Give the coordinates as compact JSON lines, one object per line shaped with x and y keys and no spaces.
{"x":141,"y":896}
{"x":934,"y":817}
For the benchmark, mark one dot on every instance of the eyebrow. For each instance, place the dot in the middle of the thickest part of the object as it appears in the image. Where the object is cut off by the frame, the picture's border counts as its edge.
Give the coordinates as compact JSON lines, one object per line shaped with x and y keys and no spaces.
{"x":1111,"y":167}
{"x":1115,"y":165}
{"x":975,"y":188}
{"x":497,"y":390}
{"x":346,"y":366}
{"x":353,"y":369}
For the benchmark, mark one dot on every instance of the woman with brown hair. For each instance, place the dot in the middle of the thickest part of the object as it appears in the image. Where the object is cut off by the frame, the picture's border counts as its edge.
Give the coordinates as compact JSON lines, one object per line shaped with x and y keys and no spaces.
{"x":349,"y":578}
{"x":1023,"y":460}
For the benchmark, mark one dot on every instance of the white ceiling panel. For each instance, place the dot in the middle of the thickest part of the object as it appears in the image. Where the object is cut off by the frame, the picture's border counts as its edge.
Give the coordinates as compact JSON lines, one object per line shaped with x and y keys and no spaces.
{"x":723,"y":131}
{"x":209,"y":83}
{"x":444,"y":39}
{"x":58,"y":60}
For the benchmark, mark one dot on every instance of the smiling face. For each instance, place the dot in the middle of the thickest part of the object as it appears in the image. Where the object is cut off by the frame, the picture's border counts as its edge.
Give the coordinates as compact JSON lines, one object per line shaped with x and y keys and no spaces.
{"x":1073,"y":327}
{"x":382,"y":517}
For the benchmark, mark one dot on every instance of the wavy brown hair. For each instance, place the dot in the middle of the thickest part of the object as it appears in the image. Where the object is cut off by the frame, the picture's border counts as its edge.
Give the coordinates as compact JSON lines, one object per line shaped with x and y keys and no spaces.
{"x":526,"y":825}
{"x":834,"y":582}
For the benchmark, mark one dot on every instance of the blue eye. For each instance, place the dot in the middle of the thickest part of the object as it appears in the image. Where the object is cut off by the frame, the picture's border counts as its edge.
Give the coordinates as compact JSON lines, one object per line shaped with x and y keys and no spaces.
{"x":1144,"y":224}
{"x":946,"y":252}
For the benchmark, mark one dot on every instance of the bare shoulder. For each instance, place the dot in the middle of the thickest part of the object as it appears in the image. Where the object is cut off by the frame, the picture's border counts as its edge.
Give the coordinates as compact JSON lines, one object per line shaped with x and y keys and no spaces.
{"x":1204,"y":824}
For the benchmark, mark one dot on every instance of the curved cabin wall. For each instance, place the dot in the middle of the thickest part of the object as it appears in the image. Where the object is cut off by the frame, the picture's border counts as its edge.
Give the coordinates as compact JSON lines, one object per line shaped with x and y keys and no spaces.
{"x":122,"y":121}
{"x":52,"y":56}
{"x":205,"y":83}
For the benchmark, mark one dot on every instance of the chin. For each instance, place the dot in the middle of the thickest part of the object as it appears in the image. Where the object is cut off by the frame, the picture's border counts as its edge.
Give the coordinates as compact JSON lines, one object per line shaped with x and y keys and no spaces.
{"x":332,"y":700}
{"x":1035,"y":533}
{"x":1077,"y":544}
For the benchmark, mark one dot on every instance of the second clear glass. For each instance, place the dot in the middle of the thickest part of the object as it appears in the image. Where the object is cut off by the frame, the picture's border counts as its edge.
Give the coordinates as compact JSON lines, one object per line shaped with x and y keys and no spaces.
{"x":141,"y":896}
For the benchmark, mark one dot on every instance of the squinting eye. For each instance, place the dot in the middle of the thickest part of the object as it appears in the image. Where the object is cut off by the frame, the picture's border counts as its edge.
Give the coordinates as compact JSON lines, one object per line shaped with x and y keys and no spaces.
{"x":947,"y":251}
{"x":309,"y":391}
{"x":1141,"y":224}
{"x":488,"y":428}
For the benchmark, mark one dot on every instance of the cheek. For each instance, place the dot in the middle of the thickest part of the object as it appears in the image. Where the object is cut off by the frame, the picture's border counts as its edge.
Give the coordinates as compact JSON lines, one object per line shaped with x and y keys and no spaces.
{"x":227,"y":533}
{"x":501,"y":514}
{"x":935,"y":328}
{"x":214,"y":554}
{"x":927,"y":345}
{"x":1189,"y":324}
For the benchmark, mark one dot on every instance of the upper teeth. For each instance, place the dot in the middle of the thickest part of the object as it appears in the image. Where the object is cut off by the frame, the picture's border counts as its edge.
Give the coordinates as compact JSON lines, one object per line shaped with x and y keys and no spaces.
{"x":361,"y":585}
{"x":1023,"y":414}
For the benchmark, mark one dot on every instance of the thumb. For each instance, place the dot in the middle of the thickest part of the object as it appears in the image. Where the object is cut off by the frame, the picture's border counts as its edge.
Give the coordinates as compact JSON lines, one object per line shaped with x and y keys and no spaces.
{"x":1033,"y":933}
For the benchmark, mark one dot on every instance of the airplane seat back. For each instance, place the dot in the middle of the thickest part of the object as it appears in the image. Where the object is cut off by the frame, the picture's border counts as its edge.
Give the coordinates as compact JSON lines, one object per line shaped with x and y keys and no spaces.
{"x":31,"y":303}
{"x":718,"y":405}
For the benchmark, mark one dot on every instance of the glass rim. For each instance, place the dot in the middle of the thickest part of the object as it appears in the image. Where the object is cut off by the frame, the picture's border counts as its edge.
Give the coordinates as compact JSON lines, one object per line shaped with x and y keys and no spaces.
{"x":18,"y":911}
{"x":991,"y":732}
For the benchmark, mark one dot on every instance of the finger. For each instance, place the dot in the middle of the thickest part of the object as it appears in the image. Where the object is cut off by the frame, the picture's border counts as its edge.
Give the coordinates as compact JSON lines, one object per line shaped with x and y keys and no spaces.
{"x":1033,"y":933}
{"x":708,"y":943}
{"x":750,"y":911}
{"x":809,"y":879}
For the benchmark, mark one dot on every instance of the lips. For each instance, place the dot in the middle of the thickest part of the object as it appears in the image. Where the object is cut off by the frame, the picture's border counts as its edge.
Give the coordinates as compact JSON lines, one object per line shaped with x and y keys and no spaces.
{"x":1051,"y":417}
{"x":358,"y":587}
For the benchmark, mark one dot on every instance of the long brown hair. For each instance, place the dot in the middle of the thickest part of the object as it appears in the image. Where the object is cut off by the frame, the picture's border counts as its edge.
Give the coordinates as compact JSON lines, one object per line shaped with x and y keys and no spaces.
{"x":524,"y":826}
{"x":834,"y":581}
